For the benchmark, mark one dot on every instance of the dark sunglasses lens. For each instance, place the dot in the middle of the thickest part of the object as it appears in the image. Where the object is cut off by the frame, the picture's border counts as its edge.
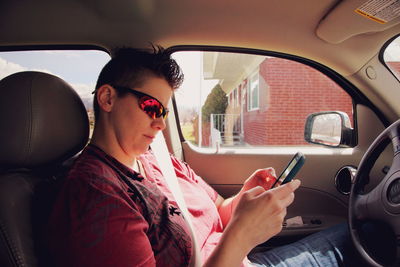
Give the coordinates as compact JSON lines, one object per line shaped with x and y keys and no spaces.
{"x":152,"y":107}
{"x":165,"y":114}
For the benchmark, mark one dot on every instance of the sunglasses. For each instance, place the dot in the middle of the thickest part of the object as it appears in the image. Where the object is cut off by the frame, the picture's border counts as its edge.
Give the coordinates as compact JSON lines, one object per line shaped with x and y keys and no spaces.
{"x":150,"y":105}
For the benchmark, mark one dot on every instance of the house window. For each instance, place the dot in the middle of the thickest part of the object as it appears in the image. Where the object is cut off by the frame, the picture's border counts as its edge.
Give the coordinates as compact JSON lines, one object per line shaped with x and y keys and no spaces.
{"x":253,"y":94}
{"x":235,"y":101}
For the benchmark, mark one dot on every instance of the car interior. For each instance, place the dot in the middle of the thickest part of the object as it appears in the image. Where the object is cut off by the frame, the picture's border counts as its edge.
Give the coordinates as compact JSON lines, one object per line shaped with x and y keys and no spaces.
{"x":263,"y":81}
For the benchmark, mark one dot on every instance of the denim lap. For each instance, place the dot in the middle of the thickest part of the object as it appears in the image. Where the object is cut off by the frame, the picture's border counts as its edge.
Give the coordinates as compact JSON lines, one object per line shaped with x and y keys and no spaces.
{"x":331,"y":247}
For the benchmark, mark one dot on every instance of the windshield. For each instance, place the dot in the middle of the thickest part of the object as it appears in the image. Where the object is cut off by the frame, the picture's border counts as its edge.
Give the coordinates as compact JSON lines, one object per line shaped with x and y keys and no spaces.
{"x":391,"y":56}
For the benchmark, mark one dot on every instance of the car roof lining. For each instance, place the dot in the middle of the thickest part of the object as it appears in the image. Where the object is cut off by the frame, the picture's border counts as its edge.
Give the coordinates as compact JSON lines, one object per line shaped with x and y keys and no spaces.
{"x":285,"y":26}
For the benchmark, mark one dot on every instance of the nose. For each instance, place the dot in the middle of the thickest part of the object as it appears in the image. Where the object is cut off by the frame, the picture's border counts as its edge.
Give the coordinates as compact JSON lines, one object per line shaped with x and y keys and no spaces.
{"x":159,"y":123}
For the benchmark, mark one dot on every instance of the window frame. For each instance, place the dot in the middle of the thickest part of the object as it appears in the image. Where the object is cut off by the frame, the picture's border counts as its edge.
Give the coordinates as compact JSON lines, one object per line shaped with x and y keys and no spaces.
{"x":250,"y":106}
{"x":396,"y":74}
{"x":357,"y":96}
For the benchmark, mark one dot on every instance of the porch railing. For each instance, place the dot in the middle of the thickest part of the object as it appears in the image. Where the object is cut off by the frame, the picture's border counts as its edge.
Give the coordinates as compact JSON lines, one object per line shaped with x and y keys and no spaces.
{"x":228,"y":127}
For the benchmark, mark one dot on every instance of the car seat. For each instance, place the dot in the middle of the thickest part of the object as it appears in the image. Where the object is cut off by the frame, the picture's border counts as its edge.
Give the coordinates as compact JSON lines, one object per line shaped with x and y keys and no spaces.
{"x":43,"y":124}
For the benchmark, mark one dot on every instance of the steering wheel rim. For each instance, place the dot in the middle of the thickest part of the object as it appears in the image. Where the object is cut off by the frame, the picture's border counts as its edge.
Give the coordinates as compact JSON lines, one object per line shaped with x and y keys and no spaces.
{"x":382,"y":203}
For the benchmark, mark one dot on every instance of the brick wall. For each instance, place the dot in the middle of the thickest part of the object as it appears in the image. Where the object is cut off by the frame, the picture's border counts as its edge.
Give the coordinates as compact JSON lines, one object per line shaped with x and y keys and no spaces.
{"x":395,"y":67}
{"x":281,"y":116}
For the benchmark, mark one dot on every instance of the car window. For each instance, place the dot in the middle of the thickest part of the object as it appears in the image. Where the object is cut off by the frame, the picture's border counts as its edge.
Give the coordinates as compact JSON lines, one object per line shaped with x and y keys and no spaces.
{"x":247,"y":101}
{"x":79,"y":68}
{"x":391,"y":56}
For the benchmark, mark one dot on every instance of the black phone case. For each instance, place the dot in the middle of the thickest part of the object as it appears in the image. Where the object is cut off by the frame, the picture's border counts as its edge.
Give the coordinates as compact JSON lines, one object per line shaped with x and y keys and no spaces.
{"x":292,"y":173}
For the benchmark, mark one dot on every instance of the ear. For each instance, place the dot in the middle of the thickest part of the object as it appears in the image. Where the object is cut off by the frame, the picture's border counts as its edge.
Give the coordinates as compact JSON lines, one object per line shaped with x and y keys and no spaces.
{"x":106,"y":95}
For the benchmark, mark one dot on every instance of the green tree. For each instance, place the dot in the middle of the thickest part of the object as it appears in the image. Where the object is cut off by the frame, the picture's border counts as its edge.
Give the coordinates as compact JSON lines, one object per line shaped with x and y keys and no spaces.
{"x":216,"y":103}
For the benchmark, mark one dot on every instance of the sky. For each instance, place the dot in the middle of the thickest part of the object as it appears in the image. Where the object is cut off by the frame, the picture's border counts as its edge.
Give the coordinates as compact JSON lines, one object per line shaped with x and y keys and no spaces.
{"x":81,"y":68}
{"x":189,"y":94}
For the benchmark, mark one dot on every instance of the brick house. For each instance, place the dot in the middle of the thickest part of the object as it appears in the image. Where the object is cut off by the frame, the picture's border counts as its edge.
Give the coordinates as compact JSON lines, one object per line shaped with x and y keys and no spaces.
{"x":395,"y":66}
{"x":263,"y":94}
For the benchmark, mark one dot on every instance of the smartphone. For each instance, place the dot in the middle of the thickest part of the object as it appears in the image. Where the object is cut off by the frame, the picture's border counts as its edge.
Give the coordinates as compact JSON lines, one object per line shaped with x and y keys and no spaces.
{"x":291,"y":169}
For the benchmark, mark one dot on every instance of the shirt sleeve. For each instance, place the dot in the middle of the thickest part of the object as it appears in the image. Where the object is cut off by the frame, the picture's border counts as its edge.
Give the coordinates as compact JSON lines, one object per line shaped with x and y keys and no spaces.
{"x":102,"y":228}
{"x":183,"y":170}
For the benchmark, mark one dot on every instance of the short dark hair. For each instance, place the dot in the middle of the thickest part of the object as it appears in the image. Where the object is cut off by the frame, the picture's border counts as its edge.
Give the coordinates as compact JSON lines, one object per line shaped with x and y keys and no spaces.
{"x":131,"y":67}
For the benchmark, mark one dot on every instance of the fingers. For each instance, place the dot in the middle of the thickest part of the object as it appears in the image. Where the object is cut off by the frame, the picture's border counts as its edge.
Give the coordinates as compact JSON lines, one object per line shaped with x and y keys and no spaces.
{"x":278,"y":202}
{"x":270,"y":171}
{"x":280,"y":217}
{"x":286,"y":189}
{"x":286,"y":201}
{"x":281,"y":197}
{"x":263,"y":177}
{"x":255,"y":191}
{"x":267,"y":172}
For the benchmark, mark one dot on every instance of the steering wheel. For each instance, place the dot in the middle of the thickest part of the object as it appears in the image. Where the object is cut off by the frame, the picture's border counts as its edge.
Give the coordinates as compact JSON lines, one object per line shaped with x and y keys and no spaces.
{"x":381,"y":205}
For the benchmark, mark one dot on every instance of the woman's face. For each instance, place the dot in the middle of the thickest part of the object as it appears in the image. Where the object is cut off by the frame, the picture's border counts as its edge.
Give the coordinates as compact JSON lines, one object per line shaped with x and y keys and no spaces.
{"x":135,"y":130}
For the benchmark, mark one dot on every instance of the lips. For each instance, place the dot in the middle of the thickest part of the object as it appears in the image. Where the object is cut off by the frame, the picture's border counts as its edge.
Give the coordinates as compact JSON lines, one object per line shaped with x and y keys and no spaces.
{"x":151,"y":137}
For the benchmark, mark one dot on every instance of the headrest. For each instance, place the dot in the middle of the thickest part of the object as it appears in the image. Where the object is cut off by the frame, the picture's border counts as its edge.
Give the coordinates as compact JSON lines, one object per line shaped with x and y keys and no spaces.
{"x":42,"y":120}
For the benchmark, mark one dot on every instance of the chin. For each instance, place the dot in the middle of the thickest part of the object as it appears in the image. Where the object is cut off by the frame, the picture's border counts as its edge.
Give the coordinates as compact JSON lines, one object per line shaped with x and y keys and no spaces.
{"x":142,"y":150}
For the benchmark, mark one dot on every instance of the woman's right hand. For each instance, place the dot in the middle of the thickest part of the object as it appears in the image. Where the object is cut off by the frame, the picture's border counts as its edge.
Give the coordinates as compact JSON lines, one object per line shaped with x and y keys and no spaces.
{"x":260,"y":213}
{"x":258,"y":216}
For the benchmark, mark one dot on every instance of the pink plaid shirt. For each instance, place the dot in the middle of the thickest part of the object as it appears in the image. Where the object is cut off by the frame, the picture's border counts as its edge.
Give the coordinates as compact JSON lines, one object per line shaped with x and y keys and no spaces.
{"x":108,"y":215}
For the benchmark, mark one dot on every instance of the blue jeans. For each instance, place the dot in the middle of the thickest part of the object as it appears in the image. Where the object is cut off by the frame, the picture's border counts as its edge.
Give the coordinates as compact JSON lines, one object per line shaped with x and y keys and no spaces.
{"x":331,"y":247}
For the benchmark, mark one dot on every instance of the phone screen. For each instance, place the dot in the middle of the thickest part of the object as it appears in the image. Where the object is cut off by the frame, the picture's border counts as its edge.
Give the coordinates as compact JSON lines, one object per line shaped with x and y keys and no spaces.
{"x":291,"y":169}
{"x":287,"y":170}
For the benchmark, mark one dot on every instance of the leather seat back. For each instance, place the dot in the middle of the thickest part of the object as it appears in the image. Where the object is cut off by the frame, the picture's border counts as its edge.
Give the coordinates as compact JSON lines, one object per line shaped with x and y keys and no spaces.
{"x":43,"y":124}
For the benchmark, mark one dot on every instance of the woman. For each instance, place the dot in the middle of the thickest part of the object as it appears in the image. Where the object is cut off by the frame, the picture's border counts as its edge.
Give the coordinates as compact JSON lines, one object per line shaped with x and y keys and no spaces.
{"x":115,"y":208}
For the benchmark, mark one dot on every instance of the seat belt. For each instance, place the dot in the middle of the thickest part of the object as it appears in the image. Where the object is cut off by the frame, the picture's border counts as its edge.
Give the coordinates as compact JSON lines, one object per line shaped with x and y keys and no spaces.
{"x":162,"y":155}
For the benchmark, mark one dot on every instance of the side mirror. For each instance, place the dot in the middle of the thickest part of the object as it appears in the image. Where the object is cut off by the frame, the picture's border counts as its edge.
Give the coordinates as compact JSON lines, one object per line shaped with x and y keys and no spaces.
{"x":331,"y":128}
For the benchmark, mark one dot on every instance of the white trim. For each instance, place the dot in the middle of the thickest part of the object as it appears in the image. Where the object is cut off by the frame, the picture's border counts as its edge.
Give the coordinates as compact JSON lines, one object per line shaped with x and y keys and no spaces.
{"x":250,"y":104}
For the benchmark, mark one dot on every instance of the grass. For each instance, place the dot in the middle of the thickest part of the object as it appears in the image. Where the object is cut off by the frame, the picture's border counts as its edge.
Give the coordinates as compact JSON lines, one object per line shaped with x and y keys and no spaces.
{"x":187,"y":131}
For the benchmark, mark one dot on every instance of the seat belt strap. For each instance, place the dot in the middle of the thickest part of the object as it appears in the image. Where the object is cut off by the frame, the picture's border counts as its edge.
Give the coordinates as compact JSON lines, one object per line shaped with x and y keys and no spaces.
{"x":164,"y":161}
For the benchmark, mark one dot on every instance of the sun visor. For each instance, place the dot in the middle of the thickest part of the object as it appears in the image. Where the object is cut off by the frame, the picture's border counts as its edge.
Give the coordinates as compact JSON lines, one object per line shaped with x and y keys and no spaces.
{"x":351,"y":18}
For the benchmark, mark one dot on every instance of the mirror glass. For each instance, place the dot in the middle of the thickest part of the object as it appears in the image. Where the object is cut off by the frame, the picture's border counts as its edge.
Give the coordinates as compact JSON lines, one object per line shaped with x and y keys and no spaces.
{"x":326,"y":129}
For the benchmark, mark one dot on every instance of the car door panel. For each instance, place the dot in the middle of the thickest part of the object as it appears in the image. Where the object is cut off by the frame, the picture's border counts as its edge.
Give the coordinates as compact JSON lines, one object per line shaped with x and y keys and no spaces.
{"x":317,"y":199}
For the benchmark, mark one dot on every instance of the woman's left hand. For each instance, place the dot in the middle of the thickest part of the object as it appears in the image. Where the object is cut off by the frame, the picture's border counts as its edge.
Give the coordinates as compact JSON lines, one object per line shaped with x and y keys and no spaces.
{"x":262,"y":177}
